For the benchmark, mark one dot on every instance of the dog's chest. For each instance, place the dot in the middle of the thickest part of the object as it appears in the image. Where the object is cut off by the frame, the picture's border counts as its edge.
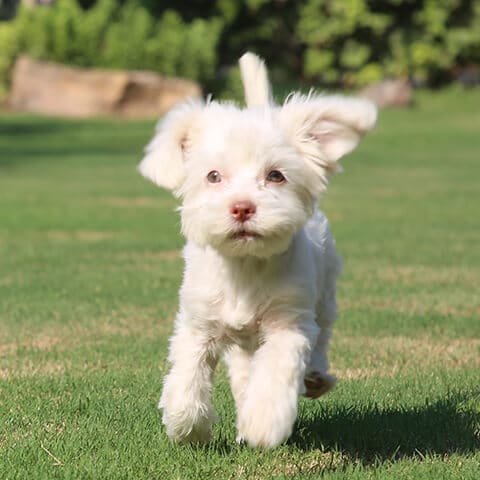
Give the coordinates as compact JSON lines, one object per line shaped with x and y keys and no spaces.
{"x":237,"y":299}
{"x":241,"y":309}
{"x":241,"y":317}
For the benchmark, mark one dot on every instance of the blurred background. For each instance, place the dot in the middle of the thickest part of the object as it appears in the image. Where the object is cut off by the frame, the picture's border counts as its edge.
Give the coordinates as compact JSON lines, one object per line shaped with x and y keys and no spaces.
{"x":349,"y":44}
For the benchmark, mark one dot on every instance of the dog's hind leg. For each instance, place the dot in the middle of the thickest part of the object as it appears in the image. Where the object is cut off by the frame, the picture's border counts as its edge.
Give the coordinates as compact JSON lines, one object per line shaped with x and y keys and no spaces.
{"x":317,"y":379}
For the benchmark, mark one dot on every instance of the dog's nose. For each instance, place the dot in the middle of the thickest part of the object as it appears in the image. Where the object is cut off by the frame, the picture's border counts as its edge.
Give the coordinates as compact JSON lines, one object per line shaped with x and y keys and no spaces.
{"x":243,"y":211}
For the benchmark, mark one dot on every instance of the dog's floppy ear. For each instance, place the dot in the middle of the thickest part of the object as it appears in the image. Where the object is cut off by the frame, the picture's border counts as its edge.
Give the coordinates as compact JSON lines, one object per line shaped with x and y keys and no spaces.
{"x":164,"y":161}
{"x":325,"y":128}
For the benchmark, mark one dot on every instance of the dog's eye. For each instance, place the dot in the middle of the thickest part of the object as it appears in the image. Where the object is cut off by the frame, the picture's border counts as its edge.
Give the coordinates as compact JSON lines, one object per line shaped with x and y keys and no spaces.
{"x":275,"y":176}
{"x":214,"y":177}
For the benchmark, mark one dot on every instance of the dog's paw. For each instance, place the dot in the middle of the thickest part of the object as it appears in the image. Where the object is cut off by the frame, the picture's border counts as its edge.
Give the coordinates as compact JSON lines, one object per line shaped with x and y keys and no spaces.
{"x":199,"y":434}
{"x":240,"y":440}
{"x":266,"y":424}
{"x":183,"y":428}
{"x":318,"y":384}
{"x":186,"y":422}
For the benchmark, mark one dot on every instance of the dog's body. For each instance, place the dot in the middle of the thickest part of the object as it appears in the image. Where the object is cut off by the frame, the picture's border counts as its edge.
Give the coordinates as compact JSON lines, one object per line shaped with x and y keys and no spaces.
{"x":259,"y":282}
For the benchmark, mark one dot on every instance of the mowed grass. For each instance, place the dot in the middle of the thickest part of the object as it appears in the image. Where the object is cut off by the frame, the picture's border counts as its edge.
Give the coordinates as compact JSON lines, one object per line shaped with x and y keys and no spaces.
{"x":89,"y":272}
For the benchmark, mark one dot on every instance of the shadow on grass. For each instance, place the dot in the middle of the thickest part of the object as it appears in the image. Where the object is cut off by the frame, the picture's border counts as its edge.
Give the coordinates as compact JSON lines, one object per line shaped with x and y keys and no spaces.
{"x":21,"y":126}
{"x":381,"y":434}
{"x":26,"y":140}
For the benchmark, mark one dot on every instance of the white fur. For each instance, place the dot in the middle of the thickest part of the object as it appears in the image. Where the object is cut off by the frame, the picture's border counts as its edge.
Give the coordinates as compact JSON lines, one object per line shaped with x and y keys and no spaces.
{"x":255,"y":80}
{"x":267,"y":302}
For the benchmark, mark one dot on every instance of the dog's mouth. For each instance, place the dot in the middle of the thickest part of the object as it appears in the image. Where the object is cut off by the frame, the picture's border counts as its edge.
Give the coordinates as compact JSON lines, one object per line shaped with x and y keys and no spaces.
{"x":244,"y":235}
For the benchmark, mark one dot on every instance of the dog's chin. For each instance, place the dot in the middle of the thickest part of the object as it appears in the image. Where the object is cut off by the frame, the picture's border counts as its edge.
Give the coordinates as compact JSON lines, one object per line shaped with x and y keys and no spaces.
{"x":249,"y":243}
{"x":245,"y":235}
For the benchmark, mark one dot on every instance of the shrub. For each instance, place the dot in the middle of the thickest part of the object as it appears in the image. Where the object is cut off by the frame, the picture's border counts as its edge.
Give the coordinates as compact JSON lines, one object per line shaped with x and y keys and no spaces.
{"x":355,"y":42}
{"x":8,"y":51}
{"x":330,"y":42}
{"x":111,"y":35}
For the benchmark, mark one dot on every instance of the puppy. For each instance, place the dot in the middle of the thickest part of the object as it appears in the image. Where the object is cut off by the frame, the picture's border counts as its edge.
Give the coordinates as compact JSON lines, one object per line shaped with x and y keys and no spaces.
{"x":260,"y":262}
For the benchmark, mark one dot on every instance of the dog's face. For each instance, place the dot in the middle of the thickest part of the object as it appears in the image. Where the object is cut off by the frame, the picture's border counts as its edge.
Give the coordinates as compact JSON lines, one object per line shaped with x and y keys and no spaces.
{"x":249,"y":179}
{"x":245,"y":191}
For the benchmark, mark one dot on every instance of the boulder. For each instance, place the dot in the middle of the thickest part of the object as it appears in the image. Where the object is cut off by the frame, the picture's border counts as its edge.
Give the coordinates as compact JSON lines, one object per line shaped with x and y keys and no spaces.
{"x":54,"y":89}
{"x":389,"y":93}
{"x":468,"y":76}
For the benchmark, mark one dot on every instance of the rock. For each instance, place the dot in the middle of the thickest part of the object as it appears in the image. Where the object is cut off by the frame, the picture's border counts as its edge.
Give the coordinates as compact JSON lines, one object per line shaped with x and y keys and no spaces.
{"x":55,"y":89}
{"x":389,"y":93}
{"x":468,"y":76}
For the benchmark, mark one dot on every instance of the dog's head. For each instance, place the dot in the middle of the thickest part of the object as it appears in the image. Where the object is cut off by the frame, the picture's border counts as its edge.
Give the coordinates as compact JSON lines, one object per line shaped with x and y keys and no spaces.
{"x":250,"y":178}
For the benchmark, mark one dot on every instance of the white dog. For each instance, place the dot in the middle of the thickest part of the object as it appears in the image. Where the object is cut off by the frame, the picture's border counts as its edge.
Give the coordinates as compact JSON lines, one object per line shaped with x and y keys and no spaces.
{"x":260,"y":261}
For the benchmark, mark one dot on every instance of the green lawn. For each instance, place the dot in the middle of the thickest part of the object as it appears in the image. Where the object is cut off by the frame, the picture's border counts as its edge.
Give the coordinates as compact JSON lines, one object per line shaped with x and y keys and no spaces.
{"x":89,"y":272}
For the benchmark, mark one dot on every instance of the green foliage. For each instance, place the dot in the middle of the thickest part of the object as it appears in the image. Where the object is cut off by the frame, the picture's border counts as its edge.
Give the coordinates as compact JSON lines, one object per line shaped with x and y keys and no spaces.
{"x":340,"y":43}
{"x":355,"y":42}
{"x":112,"y":35}
{"x":232,"y":87}
{"x":8,"y":51}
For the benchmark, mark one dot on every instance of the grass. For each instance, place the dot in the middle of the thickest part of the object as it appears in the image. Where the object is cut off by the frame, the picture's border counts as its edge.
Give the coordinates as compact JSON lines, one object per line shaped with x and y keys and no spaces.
{"x":89,"y":271}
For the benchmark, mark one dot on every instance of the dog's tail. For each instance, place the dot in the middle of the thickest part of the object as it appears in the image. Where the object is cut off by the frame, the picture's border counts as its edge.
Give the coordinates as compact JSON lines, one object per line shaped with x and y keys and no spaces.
{"x":255,"y":81}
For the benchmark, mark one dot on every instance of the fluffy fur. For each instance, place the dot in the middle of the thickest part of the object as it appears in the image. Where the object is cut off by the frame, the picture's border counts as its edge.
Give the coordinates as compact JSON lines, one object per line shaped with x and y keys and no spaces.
{"x":258,"y":291}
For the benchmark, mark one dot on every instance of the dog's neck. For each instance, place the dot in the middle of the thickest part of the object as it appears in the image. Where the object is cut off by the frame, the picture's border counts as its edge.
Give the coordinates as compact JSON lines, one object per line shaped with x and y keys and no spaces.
{"x":251,"y":267}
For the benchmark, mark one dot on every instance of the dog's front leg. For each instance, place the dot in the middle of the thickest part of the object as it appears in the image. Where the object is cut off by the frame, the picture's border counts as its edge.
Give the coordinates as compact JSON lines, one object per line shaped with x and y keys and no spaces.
{"x":188,"y":414}
{"x":269,"y":409}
